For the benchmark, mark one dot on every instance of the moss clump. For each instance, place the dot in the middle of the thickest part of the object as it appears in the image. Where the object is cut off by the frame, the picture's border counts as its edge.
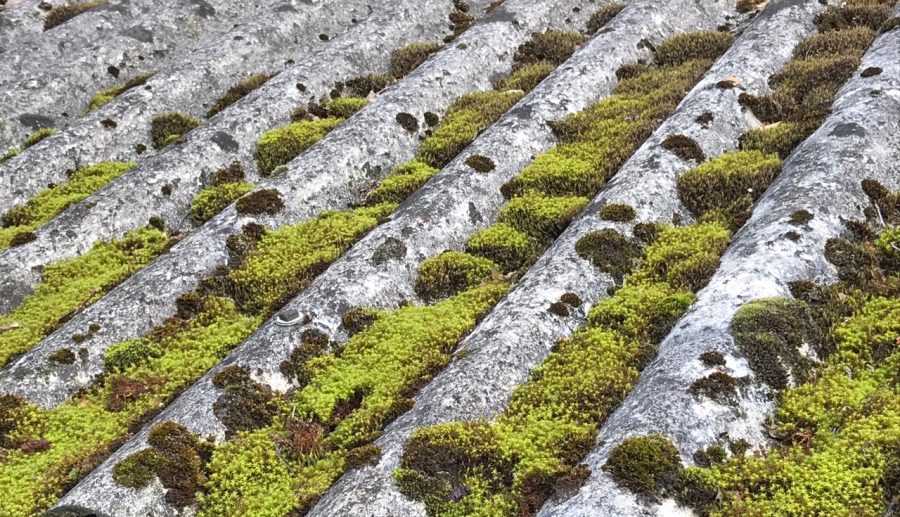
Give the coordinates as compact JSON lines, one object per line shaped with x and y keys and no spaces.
{"x":854,"y":40}
{"x":602,"y":16}
{"x":609,"y":251}
{"x":37,"y":136}
{"x":401,"y":183}
{"x":503,"y":245}
{"x":63,"y":13}
{"x":700,"y":45}
{"x":104,"y":97}
{"x":279,"y":146}
{"x":684,"y":147}
{"x":728,"y":184}
{"x":450,"y":273}
{"x":264,"y":201}
{"x":746,"y":6}
{"x":408,"y":58}
{"x":50,"y":202}
{"x":62,"y":356}
{"x":464,"y":120}
{"x":174,"y":457}
{"x":244,"y":404}
{"x":772,"y":334}
{"x":238,"y":92}
{"x":642,"y":463}
{"x":356,"y":320}
{"x":553,"y":46}
{"x":800,"y":217}
{"x":778,"y":139}
{"x":480,"y":163}
{"x":168,"y":127}
{"x":860,"y":13}
{"x":617,"y":212}
{"x":76,"y":283}
{"x":210,"y":201}
{"x":712,"y":359}
{"x":363,"y":85}
{"x":717,"y":386}
{"x":540,"y":216}
{"x":526,"y":77}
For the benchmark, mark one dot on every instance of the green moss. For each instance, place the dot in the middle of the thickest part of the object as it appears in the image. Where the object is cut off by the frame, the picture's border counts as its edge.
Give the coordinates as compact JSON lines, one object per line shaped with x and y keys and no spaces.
{"x":526,"y":77}
{"x":780,"y":139}
{"x":801,"y":217}
{"x":480,"y":163}
{"x":805,"y":88}
{"x":853,"y":40}
{"x":263,"y":201}
{"x":724,"y":184}
{"x":62,"y":356}
{"x":63,"y":13}
{"x":503,"y":245}
{"x":468,"y":116}
{"x":344,"y":107}
{"x":643,"y":462}
{"x":104,"y":97}
{"x":684,"y":256}
{"x":244,"y":404}
{"x":700,"y":45}
{"x":711,"y":359}
{"x":363,"y":85}
{"x":540,"y":216}
{"x":772,"y":333}
{"x":281,"y":145}
{"x":37,"y":136}
{"x":356,"y":320}
{"x":861,"y":13}
{"x":401,"y":183}
{"x":137,"y":470}
{"x":617,"y":212}
{"x":746,"y":6}
{"x":450,"y":273}
{"x":356,"y":394}
{"x":288,"y":258}
{"x":212,"y":200}
{"x":169,"y":127}
{"x":602,"y":16}
{"x":717,"y":386}
{"x":408,"y":58}
{"x":50,"y":202}
{"x":238,"y":92}
{"x":75,"y":283}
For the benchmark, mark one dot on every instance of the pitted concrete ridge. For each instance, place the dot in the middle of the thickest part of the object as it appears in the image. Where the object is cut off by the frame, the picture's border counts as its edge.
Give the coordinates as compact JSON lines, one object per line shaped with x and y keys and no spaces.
{"x":369,"y":258}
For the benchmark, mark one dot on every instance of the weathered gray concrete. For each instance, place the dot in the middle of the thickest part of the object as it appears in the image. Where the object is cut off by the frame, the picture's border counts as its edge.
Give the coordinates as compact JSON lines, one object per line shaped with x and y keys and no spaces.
{"x":519,"y":332}
{"x":18,"y":22}
{"x":861,"y":139}
{"x":49,"y":79}
{"x":441,"y":215}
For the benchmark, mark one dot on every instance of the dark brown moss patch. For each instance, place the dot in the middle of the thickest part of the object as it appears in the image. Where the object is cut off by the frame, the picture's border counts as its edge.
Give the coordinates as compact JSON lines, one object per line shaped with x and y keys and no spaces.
{"x":552,"y":45}
{"x":684,"y":147}
{"x":408,"y":122}
{"x":22,"y":238}
{"x":176,"y":457}
{"x":571,"y":299}
{"x":717,"y":386}
{"x":871,"y":15}
{"x":238,"y":92}
{"x":363,"y":85}
{"x":62,"y":356}
{"x":608,"y":251}
{"x":642,"y":464}
{"x":356,"y":320}
{"x":168,"y":127}
{"x":871,"y":71}
{"x":63,"y":13}
{"x":480,"y":163}
{"x":295,"y":368}
{"x":559,"y":308}
{"x":645,"y":232}
{"x":362,"y":456}
{"x":712,"y":359}
{"x":705,"y":118}
{"x":244,"y":404}
{"x":617,"y":212}
{"x":772,"y":333}
{"x":712,"y":455}
{"x":762,"y":107}
{"x":745,"y":6}
{"x":432,"y":119}
{"x":230,"y":174}
{"x":265,"y":201}
{"x":800,"y":217}
{"x":602,"y":16}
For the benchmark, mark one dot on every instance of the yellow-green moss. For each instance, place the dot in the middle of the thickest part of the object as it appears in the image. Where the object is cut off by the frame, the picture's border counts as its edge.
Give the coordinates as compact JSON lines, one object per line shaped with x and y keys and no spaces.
{"x":50,"y":202}
{"x":401,"y":182}
{"x":540,"y":216}
{"x":281,"y":145}
{"x":700,"y":45}
{"x":602,"y":16}
{"x":76,"y":283}
{"x":408,"y":58}
{"x":779,"y":139}
{"x":642,"y":462}
{"x":212,"y":200}
{"x":504,"y":245}
{"x":526,"y":77}
{"x":103,"y":97}
{"x":450,"y":273}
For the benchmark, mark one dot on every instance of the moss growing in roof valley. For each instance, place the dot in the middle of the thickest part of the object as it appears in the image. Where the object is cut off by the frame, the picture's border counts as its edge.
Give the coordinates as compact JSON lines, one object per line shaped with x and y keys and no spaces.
{"x":63,"y":13}
{"x":238,"y":92}
{"x":642,"y":463}
{"x":169,"y":127}
{"x":408,"y":58}
{"x":103,"y":97}
{"x":279,"y":146}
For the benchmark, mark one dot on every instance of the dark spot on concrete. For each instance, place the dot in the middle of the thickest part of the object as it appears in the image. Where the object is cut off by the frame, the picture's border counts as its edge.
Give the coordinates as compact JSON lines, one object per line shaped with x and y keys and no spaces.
{"x":792,"y":235}
{"x":109,"y":123}
{"x":323,"y":37}
{"x":301,"y":87}
{"x":522,"y":111}
{"x":113,"y":71}
{"x":225,"y":142}
{"x":204,"y":9}
{"x":34,"y":121}
{"x":140,"y":148}
{"x":391,"y":249}
{"x":408,"y":122}
{"x":406,"y":231}
{"x":872,"y":71}
{"x":474,"y":215}
{"x":285,"y":8}
{"x":139,"y":33}
{"x":848,"y":129}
